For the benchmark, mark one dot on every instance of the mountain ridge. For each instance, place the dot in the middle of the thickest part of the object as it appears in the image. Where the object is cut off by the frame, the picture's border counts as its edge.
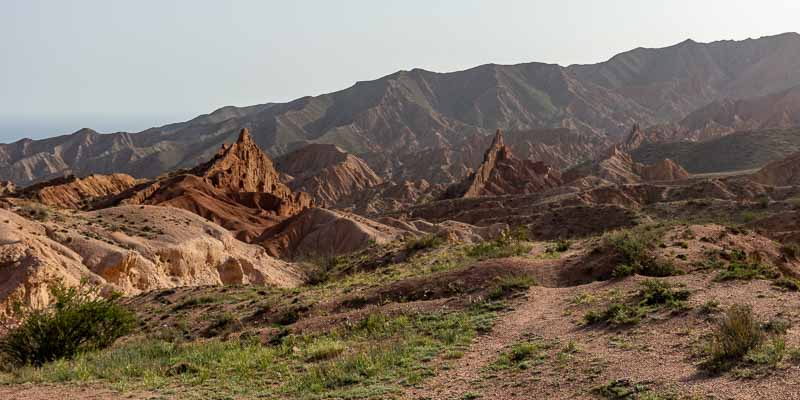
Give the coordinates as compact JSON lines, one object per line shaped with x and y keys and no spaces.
{"x":410,"y":111}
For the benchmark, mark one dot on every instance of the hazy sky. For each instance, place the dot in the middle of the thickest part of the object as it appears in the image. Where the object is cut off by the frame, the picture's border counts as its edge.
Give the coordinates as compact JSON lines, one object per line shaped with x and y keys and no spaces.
{"x":126,"y":65}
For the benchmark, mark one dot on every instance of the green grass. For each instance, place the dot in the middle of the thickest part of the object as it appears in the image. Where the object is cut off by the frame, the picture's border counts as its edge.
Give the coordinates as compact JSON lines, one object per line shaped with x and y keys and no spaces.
{"x":747,"y":269}
{"x":374,"y":356}
{"x":523,"y":355}
{"x":653,"y":295}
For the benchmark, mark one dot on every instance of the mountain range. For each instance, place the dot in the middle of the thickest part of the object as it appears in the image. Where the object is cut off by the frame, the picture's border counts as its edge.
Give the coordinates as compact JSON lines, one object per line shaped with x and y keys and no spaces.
{"x":691,"y":90}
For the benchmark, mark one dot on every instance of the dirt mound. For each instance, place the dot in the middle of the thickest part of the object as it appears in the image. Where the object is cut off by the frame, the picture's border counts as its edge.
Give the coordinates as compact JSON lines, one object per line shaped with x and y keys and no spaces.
{"x":130,"y":249}
{"x":320,"y":232}
{"x":326,"y":172}
{"x":502,"y":174}
{"x":76,"y":193}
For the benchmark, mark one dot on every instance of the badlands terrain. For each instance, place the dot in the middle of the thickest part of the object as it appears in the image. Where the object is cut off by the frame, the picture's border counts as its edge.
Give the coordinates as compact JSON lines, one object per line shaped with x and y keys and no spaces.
{"x":623,"y":230}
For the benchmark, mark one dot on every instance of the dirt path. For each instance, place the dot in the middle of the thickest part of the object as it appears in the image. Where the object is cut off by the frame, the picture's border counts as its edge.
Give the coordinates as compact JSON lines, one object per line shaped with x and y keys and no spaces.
{"x":60,"y":392}
{"x":542,"y":304}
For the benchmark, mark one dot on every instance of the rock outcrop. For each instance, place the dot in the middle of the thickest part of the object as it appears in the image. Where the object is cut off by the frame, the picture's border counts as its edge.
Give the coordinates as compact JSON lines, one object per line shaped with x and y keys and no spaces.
{"x":7,"y":187}
{"x":503,"y":174}
{"x":617,"y":166}
{"x":238,"y":189}
{"x":74,"y":192}
{"x":130,"y":249}
{"x":326,"y":172}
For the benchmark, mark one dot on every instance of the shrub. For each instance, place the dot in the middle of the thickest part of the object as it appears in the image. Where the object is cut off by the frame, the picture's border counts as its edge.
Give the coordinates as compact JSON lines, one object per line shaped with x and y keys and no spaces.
{"x":634,"y":246}
{"x":318,"y":268}
{"x":616,"y":314}
{"x":508,"y":244}
{"x":788,"y":283}
{"x":510,"y":284}
{"x":791,"y":250}
{"x":734,"y":336}
{"x":559,"y":246}
{"x":652,"y":295}
{"x":79,"y":320}
{"x":423,"y":243}
{"x":657,"y":293}
{"x":521,"y":354}
{"x":749,"y":269}
{"x":36,"y":211}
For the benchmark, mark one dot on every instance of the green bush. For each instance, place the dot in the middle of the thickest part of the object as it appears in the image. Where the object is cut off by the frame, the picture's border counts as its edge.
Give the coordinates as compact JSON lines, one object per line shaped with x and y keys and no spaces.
{"x":79,"y":320}
{"x":635,"y":246}
{"x":747,"y":270}
{"x":734,"y":337}
{"x":657,"y":293}
{"x":616,"y":314}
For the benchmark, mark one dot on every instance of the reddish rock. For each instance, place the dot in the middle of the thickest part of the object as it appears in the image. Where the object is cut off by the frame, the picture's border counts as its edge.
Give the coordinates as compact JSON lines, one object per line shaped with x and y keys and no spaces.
{"x":238,"y":189}
{"x":502,"y":174}
{"x":326,"y":172}
{"x":74,"y":192}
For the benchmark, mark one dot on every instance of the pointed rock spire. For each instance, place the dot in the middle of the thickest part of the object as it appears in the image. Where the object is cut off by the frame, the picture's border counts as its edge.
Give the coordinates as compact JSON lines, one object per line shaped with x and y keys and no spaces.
{"x":244,"y":136}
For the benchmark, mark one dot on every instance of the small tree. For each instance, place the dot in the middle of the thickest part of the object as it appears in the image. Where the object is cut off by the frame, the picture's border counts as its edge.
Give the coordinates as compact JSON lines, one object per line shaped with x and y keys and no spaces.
{"x":79,"y":320}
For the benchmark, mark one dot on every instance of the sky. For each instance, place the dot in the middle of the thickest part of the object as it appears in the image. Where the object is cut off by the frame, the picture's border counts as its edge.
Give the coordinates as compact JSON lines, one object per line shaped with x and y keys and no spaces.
{"x":120,"y":65}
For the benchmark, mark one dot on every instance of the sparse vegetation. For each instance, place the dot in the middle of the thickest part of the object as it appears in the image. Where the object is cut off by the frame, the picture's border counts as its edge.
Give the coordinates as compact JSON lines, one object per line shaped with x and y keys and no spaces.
{"x":635,"y":246}
{"x":36,"y":211}
{"x":744,"y":267}
{"x":735,"y":335}
{"x":652,"y":296}
{"x":507,"y":244}
{"x":78,"y":321}
{"x":522,"y":355}
{"x":423,"y":243}
{"x":510,"y":284}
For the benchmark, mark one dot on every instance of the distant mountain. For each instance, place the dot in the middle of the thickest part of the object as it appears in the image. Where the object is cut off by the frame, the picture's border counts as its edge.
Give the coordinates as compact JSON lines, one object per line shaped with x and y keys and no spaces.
{"x":721,"y":117}
{"x":392,"y":120}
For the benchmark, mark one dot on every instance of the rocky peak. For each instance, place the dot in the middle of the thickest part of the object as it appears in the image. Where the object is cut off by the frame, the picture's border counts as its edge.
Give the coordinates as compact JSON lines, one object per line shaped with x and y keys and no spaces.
{"x":243,"y":167}
{"x":501,"y":173}
{"x":634,"y":140}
